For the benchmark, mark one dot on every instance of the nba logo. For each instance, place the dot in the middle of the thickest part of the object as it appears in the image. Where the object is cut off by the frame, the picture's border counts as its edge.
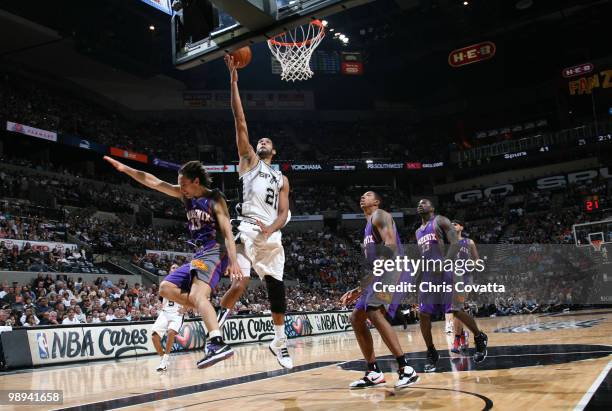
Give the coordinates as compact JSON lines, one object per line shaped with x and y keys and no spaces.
{"x":43,"y":347}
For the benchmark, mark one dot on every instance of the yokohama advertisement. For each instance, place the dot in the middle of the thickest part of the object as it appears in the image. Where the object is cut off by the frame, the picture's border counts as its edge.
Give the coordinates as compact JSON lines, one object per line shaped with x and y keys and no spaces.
{"x":118,"y":340}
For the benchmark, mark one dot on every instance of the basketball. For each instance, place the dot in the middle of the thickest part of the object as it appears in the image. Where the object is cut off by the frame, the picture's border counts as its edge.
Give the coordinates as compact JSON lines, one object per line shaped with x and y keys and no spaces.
{"x":242,"y":56}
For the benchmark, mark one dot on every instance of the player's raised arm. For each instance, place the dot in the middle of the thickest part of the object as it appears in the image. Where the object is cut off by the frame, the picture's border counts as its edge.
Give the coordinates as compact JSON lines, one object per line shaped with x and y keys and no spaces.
{"x":146,"y":179}
{"x":222,"y":217}
{"x":246,"y":154}
{"x":451,"y":235}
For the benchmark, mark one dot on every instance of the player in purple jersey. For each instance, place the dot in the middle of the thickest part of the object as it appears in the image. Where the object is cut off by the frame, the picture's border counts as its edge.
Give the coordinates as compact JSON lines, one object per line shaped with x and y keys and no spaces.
{"x":381,"y":241}
{"x":192,"y":283}
{"x":467,"y":251}
{"x":430,"y":240}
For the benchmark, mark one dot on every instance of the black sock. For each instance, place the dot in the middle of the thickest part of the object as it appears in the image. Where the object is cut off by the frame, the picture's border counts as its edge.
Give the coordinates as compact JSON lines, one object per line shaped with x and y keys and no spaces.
{"x":401,"y":361}
{"x":373,"y":367}
{"x":216,"y":340}
{"x":432,"y":348}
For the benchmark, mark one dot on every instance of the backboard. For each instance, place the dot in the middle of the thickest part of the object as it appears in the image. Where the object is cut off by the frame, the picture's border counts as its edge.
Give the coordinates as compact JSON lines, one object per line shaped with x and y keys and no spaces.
{"x":598,"y":230}
{"x":261,"y":20}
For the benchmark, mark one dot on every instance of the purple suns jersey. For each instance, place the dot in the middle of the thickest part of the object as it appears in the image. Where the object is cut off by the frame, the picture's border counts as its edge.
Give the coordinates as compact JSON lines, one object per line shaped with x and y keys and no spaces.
{"x":201,"y":222}
{"x":430,"y":241}
{"x":464,"y":249}
{"x":371,"y":240}
{"x":371,"y":298}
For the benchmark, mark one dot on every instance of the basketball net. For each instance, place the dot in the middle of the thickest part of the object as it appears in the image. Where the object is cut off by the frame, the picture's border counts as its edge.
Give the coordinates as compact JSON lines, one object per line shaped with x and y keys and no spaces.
{"x":293,"y":50}
{"x":596,"y":245}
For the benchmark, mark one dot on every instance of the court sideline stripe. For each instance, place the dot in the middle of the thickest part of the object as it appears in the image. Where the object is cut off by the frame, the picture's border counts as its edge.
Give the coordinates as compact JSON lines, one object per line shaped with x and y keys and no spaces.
{"x":591,"y":391}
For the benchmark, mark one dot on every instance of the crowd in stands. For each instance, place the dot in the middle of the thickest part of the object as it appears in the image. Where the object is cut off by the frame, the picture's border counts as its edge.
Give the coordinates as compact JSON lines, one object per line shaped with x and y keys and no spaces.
{"x":126,"y":236}
{"x":39,"y":105}
{"x":33,"y":228}
{"x":62,"y":300}
{"x":49,"y":301}
{"x":69,"y":189}
{"x":39,"y":259}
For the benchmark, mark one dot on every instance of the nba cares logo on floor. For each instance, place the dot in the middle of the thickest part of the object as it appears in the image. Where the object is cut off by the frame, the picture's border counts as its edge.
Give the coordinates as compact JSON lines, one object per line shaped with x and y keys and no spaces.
{"x":552,"y":326}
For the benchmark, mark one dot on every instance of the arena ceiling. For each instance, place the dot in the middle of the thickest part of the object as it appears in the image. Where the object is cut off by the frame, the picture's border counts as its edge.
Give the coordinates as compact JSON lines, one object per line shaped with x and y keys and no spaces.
{"x":406,"y":45}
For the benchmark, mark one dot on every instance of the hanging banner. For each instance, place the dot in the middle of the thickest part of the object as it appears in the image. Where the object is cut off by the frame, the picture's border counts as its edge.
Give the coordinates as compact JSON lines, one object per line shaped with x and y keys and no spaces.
{"x":586,"y":85}
{"x":79,"y":142}
{"x":578,"y":70}
{"x":472,"y":54}
{"x":352,"y":64}
{"x":130,"y":155}
{"x":31,"y":131}
{"x":221,"y":168}
{"x":165,"y":164}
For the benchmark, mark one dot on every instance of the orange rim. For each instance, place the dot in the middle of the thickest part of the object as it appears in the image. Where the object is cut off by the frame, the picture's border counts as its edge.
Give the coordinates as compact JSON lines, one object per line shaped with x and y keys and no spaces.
{"x":299,"y":43}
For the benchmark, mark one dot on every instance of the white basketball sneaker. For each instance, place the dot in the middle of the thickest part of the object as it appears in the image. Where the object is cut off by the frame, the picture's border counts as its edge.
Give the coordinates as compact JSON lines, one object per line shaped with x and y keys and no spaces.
{"x":371,"y":379}
{"x":163,"y":364}
{"x":279,"y":349}
{"x":407,"y":376}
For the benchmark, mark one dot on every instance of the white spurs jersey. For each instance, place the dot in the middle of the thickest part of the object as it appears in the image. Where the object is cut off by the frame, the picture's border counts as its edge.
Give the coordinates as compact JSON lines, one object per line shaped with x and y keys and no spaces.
{"x":260,"y":194}
{"x":170,"y":307}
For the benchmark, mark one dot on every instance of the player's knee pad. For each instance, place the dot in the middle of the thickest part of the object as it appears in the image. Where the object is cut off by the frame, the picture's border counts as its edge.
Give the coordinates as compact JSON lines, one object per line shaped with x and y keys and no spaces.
{"x":276,"y":295}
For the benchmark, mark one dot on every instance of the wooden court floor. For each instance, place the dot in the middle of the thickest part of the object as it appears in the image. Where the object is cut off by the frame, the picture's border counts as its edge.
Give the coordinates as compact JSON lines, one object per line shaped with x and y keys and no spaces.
{"x":547,"y":362}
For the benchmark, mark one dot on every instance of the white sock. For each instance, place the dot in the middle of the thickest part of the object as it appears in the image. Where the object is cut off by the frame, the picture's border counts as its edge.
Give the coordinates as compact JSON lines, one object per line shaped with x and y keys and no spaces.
{"x":279,"y":332}
{"x":214,"y":333}
{"x":165,"y":357}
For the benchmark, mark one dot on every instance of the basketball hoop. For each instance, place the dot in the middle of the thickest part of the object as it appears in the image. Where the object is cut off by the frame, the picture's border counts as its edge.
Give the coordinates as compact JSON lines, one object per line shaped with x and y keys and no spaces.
{"x":293,"y":50}
{"x":596,"y":245}
{"x":596,"y":240}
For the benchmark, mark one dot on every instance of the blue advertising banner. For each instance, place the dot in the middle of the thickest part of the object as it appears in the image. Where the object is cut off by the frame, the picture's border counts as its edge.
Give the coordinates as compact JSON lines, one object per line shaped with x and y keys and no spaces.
{"x":76,"y":141}
{"x":166,"y":164}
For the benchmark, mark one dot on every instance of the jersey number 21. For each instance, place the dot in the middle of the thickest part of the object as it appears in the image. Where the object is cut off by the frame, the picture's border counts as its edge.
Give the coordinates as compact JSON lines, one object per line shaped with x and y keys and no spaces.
{"x":271,"y":198}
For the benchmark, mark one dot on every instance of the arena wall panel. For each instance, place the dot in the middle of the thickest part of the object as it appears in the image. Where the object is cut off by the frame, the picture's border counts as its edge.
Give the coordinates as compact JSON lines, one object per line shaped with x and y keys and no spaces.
{"x":43,"y":346}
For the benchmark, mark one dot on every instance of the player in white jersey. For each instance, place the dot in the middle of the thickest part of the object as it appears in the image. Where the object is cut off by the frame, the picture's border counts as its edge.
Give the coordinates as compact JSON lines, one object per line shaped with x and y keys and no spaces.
{"x":263,"y":211}
{"x":170,"y":321}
